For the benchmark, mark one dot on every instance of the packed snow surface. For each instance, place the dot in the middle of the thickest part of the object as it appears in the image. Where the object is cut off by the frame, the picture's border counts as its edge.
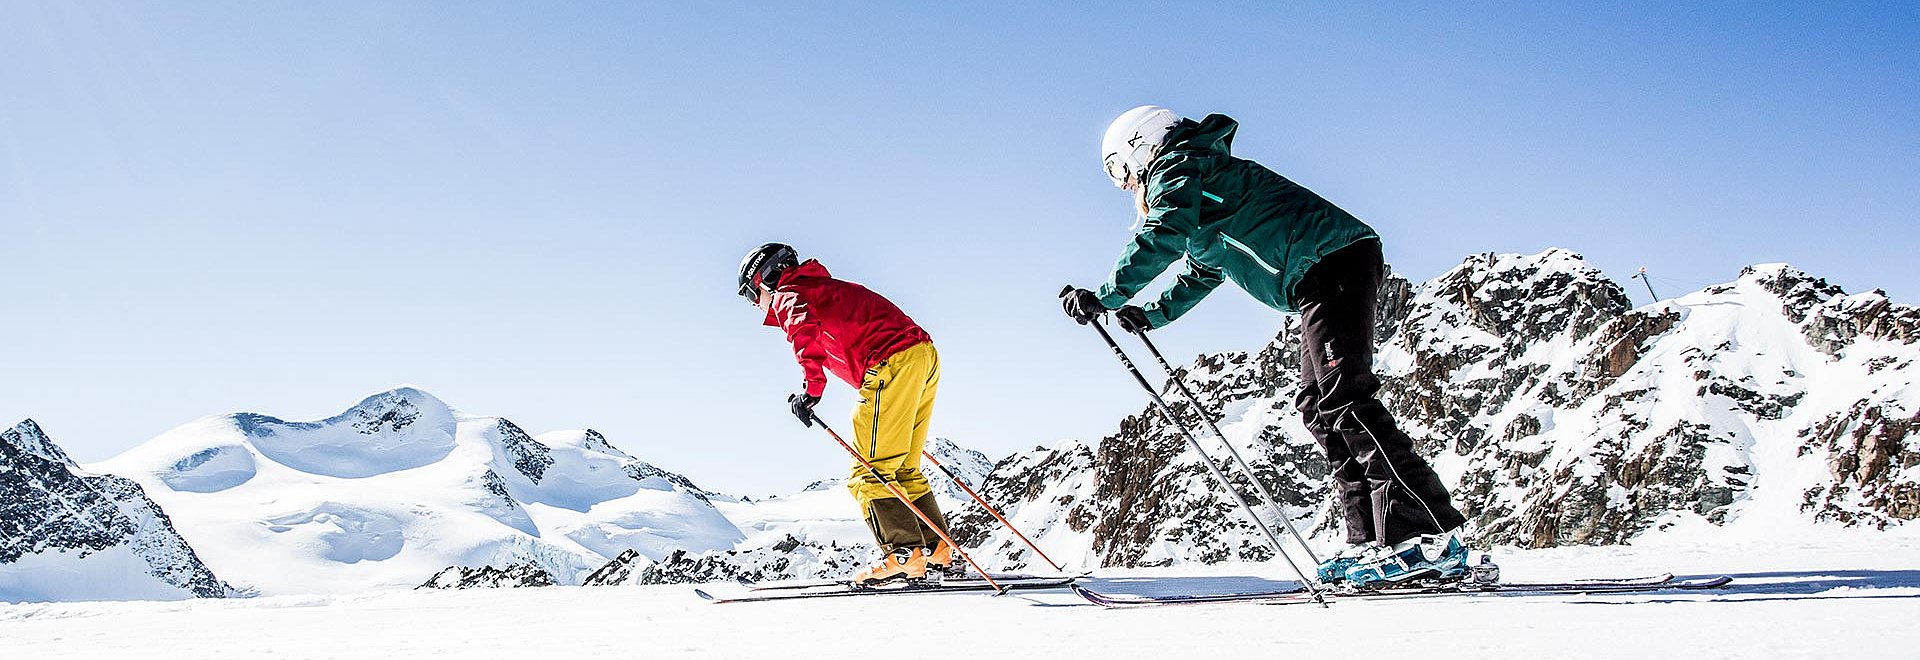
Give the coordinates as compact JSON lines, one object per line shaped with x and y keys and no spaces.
{"x":115,"y":573}
{"x":1853,"y":598}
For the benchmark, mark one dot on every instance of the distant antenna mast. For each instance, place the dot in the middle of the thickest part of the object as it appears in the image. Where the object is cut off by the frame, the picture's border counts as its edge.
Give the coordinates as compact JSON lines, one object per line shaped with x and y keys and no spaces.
{"x":1649,"y":283}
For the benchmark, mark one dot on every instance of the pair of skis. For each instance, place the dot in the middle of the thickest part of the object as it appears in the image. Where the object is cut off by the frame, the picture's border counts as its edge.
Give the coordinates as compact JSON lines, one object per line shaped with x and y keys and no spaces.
{"x":1300,"y":595}
{"x":756,"y":592}
{"x":1000,"y":582}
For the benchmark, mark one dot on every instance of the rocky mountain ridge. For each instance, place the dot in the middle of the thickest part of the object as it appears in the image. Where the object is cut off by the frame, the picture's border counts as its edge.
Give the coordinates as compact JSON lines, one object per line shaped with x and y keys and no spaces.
{"x":67,"y":533}
{"x":1556,"y":412}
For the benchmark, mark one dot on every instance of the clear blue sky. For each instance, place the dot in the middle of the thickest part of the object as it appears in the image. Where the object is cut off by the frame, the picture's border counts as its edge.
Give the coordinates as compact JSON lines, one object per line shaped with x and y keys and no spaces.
{"x":535,"y":210}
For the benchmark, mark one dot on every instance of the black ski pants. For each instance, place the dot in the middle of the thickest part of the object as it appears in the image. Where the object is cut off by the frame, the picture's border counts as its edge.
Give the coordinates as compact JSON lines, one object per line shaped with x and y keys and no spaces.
{"x":1388,"y":492}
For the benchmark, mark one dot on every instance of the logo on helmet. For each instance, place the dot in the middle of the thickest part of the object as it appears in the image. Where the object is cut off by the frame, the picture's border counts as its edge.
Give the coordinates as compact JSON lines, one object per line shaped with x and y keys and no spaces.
{"x":1132,"y":140}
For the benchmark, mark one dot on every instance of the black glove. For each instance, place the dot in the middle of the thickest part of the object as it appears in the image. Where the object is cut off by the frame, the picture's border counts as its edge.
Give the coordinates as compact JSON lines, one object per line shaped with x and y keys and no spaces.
{"x":1081,"y":305}
{"x":1133,"y":319}
{"x":802,"y":406}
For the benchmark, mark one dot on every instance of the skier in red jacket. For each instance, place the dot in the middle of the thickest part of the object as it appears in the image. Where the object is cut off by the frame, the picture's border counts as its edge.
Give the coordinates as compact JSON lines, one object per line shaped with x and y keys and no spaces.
{"x":844,"y":328}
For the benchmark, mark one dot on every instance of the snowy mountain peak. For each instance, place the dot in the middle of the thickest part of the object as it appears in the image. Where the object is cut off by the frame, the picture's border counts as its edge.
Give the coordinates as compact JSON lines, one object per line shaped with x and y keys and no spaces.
{"x":27,"y":437}
{"x":1498,"y":265}
{"x":528,"y":457}
{"x":1829,"y":319}
{"x":401,"y":486}
{"x":395,"y":409}
{"x":969,"y":465}
{"x":399,"y":429}
{"x":594,"y":441}
{"x":1798,"y":291}
{"x":1526,"y":297}
{"x":1783,"y":279}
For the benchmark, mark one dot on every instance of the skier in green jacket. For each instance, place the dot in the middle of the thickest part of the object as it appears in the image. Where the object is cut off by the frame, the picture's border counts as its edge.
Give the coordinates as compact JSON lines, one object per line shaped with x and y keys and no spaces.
{"x":1231,"y":218}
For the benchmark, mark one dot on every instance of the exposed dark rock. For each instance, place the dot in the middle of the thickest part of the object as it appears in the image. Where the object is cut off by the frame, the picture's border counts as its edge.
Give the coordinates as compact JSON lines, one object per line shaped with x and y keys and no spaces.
{"x":786,"y":559}
{"x":1619,"y":347}
{"x":1871,"y":458}
{"x":48,"y":505}
{"x":384,"y":413}
{"x":619,"y":570}
{"x":488,"y":577}
{"x":528,"y":456}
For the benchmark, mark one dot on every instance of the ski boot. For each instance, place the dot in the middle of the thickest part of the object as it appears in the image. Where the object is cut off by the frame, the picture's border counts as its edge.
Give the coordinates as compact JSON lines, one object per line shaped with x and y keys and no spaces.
{"x":1428,"y":557}
{"x":1334,"y":569}
{"x":941,"y":560}
{"x":1484,"y":575}
{"x":908,"y":565}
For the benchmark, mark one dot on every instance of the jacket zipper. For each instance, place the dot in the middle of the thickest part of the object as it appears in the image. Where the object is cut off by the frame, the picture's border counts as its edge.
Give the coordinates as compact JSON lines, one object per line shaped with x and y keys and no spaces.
{"x":1242,"y":247}
{"x":873,"y":439}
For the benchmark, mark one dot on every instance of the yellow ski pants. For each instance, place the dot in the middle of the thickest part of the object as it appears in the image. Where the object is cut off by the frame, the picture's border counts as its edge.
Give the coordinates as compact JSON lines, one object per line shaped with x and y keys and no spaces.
{"x":890,"y":424}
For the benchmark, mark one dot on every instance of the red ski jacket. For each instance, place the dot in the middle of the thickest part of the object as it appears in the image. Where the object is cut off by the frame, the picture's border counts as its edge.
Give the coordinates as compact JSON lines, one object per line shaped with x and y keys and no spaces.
{"x":837,"y":326}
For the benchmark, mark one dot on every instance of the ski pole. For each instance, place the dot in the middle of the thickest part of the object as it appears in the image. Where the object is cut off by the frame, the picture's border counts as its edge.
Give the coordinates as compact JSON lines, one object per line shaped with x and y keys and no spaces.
{"x":996,"y":514}
{"x":875,"y":473}
{"x":1198,"y":407}
{"x":1206,"y":460}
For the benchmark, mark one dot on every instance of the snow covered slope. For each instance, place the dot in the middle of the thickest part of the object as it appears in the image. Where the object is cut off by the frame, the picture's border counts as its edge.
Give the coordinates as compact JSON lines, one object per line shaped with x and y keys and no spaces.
{"x":399,"y":487}
{"x":66,"y":534}
{"x":1853,"y":601}
{"x":1775,"y":404}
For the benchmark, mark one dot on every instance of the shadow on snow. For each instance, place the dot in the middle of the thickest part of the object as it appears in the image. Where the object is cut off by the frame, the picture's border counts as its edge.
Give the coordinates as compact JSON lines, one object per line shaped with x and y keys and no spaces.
{"x":1746,"y":587}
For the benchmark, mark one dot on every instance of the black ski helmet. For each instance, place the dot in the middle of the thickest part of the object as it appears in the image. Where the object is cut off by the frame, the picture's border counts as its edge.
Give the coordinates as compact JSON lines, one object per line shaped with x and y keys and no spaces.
{"x":763,"y":267}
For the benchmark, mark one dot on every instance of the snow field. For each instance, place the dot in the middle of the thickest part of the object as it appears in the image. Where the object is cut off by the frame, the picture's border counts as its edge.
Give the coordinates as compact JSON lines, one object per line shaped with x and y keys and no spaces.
{"x":1853,"y":600}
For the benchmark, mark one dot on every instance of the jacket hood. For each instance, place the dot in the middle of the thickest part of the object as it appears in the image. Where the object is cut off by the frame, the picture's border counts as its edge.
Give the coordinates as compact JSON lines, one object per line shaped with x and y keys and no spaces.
{"x":808,"y":268}
{"x":1213,"y":133}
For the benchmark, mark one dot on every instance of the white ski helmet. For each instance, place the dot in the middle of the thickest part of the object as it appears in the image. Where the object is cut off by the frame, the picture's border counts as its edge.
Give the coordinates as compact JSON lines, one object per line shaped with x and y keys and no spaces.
{"x":1132,"y":139}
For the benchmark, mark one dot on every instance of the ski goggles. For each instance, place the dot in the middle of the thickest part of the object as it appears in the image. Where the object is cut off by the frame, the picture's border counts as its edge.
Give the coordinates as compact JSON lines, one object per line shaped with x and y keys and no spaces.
{"x":1117,"y":170}
{"x":751,"y":290}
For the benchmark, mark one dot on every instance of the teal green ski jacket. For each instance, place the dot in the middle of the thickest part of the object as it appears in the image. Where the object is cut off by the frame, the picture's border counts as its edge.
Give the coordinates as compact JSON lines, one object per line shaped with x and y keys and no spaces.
{"x":1231,"y":218}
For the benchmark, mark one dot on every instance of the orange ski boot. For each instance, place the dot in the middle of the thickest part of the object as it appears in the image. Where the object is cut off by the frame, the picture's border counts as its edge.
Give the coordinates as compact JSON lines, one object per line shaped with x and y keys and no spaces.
{"x":941,"y":559}
{"x":902,"y":564}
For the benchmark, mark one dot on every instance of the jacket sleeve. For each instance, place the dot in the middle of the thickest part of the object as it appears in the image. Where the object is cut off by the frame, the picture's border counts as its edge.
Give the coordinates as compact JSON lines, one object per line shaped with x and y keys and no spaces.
{"x":803,"y":332}
{"x":1173,"y":209}
{"x":1195,"y":282}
